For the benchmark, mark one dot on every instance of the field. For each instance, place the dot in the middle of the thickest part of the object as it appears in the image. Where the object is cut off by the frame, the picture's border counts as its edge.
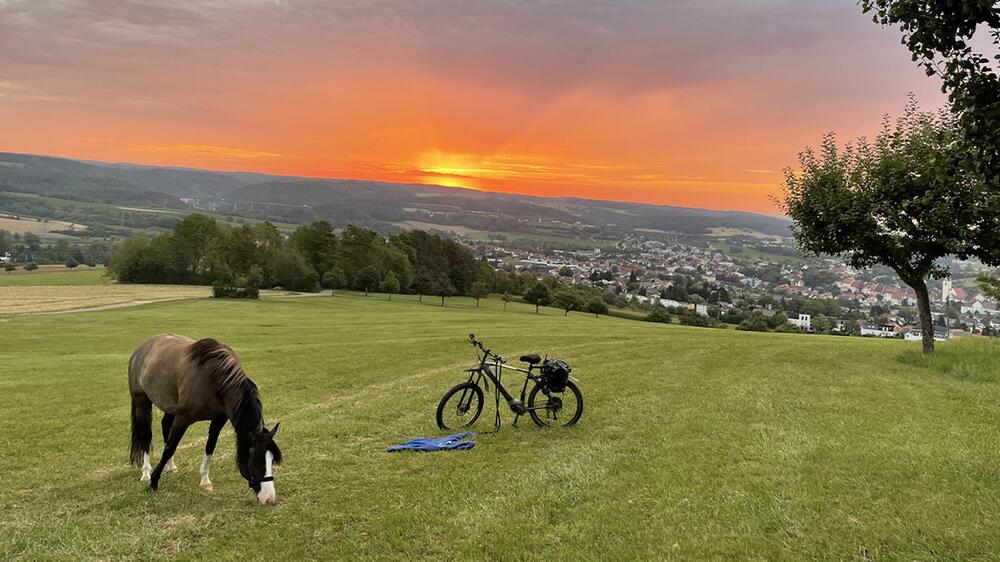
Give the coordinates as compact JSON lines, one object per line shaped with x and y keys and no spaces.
{"x":23,"y":225}
{"x":695,"y":444}
{"x":60,"y":289}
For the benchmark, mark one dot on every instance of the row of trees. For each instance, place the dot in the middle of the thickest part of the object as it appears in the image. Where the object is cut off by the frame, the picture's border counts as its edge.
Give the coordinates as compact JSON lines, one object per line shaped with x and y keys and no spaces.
{"x":29,"y":247}
{"x":200,"y":250}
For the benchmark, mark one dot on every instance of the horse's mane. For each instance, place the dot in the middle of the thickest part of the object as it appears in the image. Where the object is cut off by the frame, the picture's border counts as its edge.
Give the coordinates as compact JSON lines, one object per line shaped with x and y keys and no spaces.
{"x":225,"y":369}
{"x":228,"y":375}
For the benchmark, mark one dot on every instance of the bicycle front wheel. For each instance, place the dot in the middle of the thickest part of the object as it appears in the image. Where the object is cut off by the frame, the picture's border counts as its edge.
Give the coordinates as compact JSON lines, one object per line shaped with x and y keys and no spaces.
{"x":555,"y":409}
{"x":460,"y":407}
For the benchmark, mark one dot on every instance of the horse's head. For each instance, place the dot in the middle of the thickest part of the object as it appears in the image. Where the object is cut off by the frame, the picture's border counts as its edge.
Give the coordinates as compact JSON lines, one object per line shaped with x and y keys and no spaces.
{"x":258,"y":465}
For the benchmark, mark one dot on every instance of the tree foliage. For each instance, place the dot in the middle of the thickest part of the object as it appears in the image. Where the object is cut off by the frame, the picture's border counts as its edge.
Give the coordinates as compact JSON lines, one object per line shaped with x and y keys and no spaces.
{"x":904,"y":201}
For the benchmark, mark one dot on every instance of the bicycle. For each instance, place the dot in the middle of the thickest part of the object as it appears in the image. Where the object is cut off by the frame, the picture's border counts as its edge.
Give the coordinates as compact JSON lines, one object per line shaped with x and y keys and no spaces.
{"x":547,"y":406}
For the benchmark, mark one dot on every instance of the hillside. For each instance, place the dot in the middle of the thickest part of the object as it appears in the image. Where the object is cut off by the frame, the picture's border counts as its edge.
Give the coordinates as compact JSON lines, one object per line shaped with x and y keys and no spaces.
{"x":695,"y":443}
{"x":376,"y":204}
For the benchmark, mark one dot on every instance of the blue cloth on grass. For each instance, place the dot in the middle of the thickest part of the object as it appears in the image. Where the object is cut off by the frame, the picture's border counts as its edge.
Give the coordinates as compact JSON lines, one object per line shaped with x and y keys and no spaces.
{"x":429,"y":444}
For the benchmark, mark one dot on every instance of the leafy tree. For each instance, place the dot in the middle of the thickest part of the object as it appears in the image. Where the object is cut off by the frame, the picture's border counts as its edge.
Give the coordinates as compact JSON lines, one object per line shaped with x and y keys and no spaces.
{"x":317,"y":243}
{"x":289,"y":269}
{"x":753,"y":323}
{"x":9,"y":267}
{"x":367,"y":278}
{"x":565,"y":271}
{"x":443,"y":286}
{"x":389,"y":284}
{"x":71,"y":262}
{"x":30,"y":266}
{"x":335,"y":279}
{"x":423,"y":283}
{"x":660,"y":314}
{"x":568,"y":300}
{"x":853,"y":328}
{"x":904,"y":202}
{"x":479,"y":291}
{"x":32,"y":241}
{"x":539,"y":295}
{"x":938,"y":34}
{"x":597,"y":307}
{"x":821,"y":324}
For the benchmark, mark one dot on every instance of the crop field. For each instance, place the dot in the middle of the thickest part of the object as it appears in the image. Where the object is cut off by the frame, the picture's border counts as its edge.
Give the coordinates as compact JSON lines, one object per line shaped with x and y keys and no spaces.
{"x":54,"y":275}
{"x":695,"y":443}
{"x":23,"y":225}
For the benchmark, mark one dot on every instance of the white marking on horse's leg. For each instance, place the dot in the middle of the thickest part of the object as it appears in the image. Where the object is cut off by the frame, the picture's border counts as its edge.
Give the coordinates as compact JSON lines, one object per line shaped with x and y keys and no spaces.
{"x":170,"y":466}
{"x":267,"y":495}
{"x":147,"y":469}
{"x":206,"y":484}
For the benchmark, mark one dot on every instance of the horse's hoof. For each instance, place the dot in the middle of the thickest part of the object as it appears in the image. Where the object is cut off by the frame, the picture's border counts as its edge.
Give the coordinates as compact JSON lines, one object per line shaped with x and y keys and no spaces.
{"x":170,"y":468}
{"x":207,"y":488}
{"x":144,"y":478}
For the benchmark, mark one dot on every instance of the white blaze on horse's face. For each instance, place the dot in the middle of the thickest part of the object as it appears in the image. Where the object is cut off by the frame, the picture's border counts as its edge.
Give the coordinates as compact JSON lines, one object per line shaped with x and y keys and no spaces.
{"x":267,"y":495}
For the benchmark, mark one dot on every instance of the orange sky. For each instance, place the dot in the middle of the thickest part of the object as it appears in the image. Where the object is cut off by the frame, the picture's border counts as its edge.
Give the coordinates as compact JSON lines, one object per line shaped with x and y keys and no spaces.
{"x":685,"y":103}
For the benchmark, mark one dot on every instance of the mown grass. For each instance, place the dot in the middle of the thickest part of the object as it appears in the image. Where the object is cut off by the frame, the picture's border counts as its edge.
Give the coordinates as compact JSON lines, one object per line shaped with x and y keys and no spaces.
{"x":695,"y":443}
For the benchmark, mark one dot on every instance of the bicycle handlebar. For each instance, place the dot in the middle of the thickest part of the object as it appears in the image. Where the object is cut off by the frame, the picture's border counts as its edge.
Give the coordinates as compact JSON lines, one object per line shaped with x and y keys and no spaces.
{"x":479,"y":344}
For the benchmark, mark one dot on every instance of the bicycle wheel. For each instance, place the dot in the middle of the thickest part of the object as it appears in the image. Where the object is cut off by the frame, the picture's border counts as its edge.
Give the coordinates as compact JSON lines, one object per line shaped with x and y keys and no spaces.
{"x":460,"y":407}
{"x":555,"y":409}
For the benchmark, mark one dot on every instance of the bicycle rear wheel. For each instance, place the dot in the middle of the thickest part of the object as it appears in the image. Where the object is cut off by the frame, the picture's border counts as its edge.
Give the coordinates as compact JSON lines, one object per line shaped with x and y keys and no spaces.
{"x":460,"y":407}
{"x":555,"y":409}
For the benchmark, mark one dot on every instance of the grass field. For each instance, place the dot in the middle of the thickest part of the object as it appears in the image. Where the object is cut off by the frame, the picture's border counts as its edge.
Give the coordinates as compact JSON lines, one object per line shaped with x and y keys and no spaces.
{"x":23,"y":225}
{"x":695,"y":443}
{"x":54,"y":275}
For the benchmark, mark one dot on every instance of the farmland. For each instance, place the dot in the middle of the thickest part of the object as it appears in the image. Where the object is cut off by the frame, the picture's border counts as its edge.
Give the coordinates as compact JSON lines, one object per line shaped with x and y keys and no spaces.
{"x":695,"y":443}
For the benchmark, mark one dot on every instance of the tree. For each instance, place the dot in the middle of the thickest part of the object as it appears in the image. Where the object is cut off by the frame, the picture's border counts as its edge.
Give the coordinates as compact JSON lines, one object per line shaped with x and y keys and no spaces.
{"x":71,"y":262}
{"x":289,"y":269}
{"x":317,"y":243}
{"x":753,"y":323}
{"x":597,"y":306}
{"x":565,"y":271}
{"x":30,"y":266}
{"x":335,"y":279}
{"x":568,"y":300}
{"x":821,"y":324}
{"x":904,"y":202}
{"x":659,"y":314}
{"x":9,"y":266}
{"x":443,"y":286}
{"x":478,"y":291}
{"x":367,"y":277}
{"x":538,"y":295}
{"x":506,"y":299}
{"x":389,"y":284}
{"x":938,"y":34}
{"x":423,"y":283}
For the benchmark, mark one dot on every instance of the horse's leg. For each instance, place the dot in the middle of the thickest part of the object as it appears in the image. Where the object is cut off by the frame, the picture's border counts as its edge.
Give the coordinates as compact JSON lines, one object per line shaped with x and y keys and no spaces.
{"x":213,"y":438}
{"x":142,"y":433}
{"x":165,"y":424}
{"x":176,"y":432}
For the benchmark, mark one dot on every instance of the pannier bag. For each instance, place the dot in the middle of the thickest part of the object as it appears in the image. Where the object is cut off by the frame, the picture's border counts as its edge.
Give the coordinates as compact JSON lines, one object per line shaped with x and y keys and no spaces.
{"x":555,"y":373}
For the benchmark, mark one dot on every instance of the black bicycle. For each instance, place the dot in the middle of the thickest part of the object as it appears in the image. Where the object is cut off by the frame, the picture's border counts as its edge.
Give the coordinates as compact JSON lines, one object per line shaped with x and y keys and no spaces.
{"x":554,"y":401}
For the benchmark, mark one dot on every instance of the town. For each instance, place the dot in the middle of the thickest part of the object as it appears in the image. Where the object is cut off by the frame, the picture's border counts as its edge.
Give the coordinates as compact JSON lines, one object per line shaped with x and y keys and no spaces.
{"x":759,"y":284}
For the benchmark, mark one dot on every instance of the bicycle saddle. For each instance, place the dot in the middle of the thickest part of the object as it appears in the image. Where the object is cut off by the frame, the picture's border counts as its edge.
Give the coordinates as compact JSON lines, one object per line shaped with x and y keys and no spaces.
{"x":532,"y":359}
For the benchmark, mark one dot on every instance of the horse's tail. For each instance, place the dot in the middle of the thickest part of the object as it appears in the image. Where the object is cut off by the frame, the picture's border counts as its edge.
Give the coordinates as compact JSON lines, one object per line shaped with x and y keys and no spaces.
{"x":142,"y":428}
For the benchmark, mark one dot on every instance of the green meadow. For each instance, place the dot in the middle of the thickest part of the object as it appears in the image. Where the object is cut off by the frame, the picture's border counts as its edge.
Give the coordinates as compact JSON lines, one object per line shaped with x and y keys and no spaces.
{"x":695,"y":443}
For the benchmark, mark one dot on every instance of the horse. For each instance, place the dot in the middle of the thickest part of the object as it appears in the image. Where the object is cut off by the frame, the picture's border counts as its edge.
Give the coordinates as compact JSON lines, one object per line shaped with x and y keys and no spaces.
{"x":192,"y":381}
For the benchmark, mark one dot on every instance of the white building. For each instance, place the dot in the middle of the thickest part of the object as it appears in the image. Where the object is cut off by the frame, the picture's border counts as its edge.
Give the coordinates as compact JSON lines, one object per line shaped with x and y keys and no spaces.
{"x":878,"y":331}
{"x":945,"y":290}
{"x":6,"y":258}
{"x":804,"y":322}
{"x":940,"y":334}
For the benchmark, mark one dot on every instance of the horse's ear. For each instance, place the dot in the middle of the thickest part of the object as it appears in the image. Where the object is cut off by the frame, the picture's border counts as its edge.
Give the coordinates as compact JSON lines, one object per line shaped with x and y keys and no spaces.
{"x":274,"y":430}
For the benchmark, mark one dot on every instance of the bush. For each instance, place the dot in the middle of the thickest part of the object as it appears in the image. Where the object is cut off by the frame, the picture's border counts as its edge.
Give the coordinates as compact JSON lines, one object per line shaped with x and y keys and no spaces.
{"x":71,"y":263}
{"x":659,"y":314}
{"x":233,"y":292}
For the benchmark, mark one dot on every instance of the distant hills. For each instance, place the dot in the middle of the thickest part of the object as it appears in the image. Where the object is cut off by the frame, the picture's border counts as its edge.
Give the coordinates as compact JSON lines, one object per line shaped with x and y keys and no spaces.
{"x":377,"y":204}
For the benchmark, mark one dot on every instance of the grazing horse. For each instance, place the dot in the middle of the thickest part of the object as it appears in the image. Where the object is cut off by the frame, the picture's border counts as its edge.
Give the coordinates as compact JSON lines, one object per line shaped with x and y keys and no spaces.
{"x":195,"y":381}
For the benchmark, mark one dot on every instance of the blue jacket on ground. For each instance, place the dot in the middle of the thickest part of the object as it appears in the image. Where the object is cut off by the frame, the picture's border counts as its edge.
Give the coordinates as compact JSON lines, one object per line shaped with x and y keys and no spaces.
{"x":429,"y":444}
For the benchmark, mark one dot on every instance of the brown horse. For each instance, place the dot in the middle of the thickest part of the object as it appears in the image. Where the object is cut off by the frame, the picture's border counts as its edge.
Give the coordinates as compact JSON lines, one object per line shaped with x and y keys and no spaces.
{"x":195,"y":381}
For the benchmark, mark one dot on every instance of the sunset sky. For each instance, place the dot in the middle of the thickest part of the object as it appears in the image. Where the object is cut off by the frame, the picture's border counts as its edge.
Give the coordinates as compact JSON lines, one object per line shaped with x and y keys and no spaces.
{"x":692,"y":103}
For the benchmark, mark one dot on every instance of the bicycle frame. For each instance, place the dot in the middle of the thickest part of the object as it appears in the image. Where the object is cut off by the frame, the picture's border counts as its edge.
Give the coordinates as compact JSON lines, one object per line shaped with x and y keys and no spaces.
{"x":476,"y":375}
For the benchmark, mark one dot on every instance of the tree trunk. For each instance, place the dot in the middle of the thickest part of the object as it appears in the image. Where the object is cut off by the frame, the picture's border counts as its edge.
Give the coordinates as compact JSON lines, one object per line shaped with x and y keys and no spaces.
{"x":477,"y":303}
{"x":505,"y":306}
{"x":926,"y":322}
{"x":420,"y":297}
{"x":390,"y":296}
{"x":567,"y":312}
{"x":536,"y":308}
{"x":442,"y":300}
{"x":366,"y":291}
